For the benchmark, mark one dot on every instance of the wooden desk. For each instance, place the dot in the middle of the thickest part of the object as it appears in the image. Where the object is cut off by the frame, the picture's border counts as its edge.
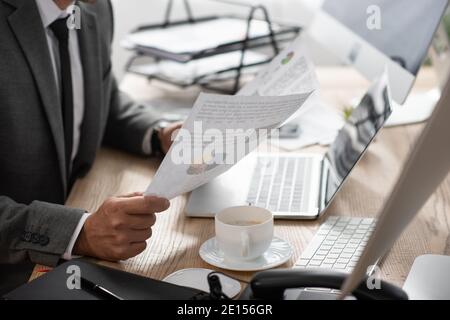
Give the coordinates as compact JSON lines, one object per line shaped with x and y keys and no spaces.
{"x":176,"y":239}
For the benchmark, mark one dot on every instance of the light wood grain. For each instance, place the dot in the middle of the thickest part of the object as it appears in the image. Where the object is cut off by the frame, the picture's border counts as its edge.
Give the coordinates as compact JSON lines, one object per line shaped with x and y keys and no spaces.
{"x":176,"y":239}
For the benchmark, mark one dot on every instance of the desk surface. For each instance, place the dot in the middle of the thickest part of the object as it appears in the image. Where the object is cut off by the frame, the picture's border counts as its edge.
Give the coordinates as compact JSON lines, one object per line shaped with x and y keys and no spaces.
{"x":176,"y":239}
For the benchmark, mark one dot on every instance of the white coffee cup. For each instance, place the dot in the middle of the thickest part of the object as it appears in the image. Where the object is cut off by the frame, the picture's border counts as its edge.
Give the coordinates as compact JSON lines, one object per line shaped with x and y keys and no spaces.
{"x":244,"y":233}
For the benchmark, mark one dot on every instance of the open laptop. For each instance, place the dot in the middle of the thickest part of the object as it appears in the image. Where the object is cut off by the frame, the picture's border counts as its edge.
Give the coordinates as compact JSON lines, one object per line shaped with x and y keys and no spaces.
{"x":297,"y":186}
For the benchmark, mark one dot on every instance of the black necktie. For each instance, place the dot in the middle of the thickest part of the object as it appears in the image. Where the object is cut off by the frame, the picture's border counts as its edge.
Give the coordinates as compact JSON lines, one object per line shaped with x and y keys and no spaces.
{"x":61,"y":32}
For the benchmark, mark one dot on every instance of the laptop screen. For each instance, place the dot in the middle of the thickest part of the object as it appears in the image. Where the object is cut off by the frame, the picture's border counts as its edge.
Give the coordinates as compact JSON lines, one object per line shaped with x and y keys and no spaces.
{"x":360,"y":128}
{"x":401,"y":29}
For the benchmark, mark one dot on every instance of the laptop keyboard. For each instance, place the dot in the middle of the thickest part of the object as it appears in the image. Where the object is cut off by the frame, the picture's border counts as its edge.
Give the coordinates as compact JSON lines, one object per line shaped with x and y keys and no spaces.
{"x":278,"y":184}
{"x":338,"y":244}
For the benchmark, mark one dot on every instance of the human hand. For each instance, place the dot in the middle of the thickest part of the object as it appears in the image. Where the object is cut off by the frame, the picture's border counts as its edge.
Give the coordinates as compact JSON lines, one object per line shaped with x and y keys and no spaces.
{"x":167,"y":134}
{"x":118,"y":230}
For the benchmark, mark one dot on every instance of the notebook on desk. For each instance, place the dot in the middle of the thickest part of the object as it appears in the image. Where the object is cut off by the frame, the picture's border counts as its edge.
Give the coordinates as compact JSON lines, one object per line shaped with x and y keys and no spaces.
{"x":55,"y":285}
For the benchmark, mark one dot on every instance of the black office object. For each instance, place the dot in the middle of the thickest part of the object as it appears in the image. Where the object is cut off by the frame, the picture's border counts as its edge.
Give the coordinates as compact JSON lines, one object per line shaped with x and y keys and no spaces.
{"x":14,"y":275}
{"x":277,"y":33}
{"x":98,"y":290}
{"x":273,"y":285}
{"x":53,"y":285}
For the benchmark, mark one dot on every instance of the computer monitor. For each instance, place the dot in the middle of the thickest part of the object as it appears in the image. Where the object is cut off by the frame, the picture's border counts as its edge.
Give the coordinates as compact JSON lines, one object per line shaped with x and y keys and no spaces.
{"x":376,"y":34}
{"x":427,"y":167}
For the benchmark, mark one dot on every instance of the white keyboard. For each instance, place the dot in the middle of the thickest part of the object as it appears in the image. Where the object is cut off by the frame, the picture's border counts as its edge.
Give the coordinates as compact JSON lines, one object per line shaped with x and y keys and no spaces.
{"x":338,"y":244}
{"x":278,"y":184}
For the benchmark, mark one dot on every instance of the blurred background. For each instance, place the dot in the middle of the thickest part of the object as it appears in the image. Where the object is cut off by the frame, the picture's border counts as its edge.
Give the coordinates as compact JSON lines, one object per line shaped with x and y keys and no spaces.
{"x":131,"y":13}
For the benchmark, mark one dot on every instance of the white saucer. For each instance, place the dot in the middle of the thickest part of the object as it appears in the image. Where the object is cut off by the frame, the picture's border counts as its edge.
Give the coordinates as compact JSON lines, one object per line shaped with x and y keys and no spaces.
{"x":278,"y":253}
{"x":197,"y":278}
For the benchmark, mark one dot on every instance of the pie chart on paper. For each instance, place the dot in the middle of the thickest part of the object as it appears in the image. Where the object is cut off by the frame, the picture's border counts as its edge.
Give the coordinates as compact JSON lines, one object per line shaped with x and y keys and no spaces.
{"x":288,"y":58}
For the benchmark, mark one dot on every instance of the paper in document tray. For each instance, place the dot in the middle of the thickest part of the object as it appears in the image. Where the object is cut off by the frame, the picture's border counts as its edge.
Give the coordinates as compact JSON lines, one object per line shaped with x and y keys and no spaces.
{"x":219,"y":67}
{"x":185,"y":41}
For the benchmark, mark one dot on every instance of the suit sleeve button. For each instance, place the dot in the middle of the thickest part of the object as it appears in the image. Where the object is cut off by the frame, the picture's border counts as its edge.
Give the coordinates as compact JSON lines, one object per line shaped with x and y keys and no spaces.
{"x":44,"y":240}
{"x":26,"y":236}
{"x":35,"y":238}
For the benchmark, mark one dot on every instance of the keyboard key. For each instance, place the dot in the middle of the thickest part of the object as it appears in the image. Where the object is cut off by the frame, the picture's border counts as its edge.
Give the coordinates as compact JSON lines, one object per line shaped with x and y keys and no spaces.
{"x":327,"y":226}
{"x":332,"y":256}
{"x":303,"y":262}
{"x":355,"y":221}
{"x":327,"y":266}
{"x":332,"y":219}
{"x":343,"y":261}
{"x":346,"y":255}
{"x":339,"y":266}
{"x":336,"y":250}
{"x":329,"y":261}
{"x":322,"y":252}
{"x":315,"y":263}
{"x":318,"y":257}
{"x":312,"y":247}
{"x":367,"y":221}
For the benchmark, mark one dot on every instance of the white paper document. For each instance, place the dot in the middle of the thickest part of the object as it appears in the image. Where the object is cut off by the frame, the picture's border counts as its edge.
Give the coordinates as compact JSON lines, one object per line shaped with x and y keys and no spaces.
{"x":190,"y":71}
{"x":293,"y":72}
{"x":212,"y":137}
{"x":199,"y":36}
{"x":319,"y":124}
{"x":290,"y":72}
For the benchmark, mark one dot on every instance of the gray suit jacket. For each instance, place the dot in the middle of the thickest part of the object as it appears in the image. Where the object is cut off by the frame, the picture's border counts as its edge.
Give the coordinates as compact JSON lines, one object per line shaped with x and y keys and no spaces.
{"x":34,"y":224}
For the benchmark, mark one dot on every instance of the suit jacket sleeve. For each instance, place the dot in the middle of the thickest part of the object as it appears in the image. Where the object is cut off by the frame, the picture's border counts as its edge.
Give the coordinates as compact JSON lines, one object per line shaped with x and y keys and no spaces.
{"x":39,"y":232}
{"x":128,"y":121}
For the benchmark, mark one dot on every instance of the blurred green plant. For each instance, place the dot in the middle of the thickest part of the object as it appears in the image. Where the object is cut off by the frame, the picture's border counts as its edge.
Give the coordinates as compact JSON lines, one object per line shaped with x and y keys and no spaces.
{"x":348,"y":113}
{"x":447,"y":23}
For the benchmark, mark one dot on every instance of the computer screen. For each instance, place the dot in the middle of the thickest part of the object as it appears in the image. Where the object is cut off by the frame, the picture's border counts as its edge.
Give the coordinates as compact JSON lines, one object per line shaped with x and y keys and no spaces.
{"x":404,"y":30}
{"x":353,"y":139}
{"x":374,"y":35}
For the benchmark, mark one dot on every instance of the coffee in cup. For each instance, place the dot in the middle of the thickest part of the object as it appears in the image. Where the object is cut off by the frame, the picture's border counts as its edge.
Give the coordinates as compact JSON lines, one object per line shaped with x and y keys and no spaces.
{"x":244,"y":233}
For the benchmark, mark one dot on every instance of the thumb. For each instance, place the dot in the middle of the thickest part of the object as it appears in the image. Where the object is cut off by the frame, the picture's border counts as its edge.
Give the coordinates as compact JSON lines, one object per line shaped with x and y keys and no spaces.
{"x":131,"y":195}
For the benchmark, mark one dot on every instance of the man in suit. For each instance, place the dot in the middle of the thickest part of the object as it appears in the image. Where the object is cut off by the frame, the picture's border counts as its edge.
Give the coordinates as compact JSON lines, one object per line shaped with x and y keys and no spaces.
{"x":59,"y":102}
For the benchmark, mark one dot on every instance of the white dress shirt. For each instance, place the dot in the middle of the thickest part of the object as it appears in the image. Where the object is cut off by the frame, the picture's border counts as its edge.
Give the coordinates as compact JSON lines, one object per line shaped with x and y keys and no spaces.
{"x":50,"y":12}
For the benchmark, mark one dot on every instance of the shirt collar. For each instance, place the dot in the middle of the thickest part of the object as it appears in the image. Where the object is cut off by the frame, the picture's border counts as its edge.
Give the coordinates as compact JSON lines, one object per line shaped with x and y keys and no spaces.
{"x":50,"y":12}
